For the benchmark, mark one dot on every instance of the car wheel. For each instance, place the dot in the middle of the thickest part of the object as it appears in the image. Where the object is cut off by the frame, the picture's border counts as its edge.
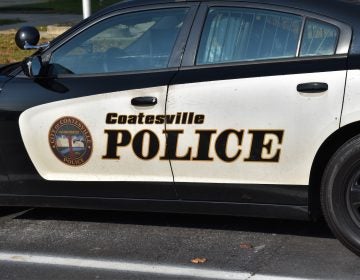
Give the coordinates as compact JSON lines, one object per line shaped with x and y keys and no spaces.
{"x":340,"y":194}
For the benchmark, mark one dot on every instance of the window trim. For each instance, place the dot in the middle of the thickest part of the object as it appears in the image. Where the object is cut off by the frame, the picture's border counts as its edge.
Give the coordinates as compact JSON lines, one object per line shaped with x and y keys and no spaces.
{"x":306,"y":20}
{"x":176,"y":53}
{"x":189,"y":60}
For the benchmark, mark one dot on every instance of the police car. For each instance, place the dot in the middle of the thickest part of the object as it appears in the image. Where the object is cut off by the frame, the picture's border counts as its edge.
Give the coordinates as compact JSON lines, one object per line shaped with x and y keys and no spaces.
{"x":216,"y":107}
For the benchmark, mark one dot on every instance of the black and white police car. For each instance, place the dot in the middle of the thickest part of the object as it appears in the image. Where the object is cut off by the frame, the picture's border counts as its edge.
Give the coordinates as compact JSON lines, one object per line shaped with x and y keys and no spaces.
{"x":216,"y":107}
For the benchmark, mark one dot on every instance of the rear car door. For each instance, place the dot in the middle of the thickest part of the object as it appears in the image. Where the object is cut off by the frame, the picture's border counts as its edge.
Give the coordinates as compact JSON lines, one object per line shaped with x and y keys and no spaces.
{"x":260,"y":88}
{"x":84,"y":122}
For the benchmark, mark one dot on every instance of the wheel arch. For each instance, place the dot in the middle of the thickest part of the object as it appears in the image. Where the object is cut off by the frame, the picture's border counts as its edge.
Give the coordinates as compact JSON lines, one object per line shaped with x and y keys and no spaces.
{"x":322,"y":157}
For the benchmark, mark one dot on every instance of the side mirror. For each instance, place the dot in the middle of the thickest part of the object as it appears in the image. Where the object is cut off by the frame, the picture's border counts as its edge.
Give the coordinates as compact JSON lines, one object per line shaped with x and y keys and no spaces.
{"x":27,"y":38}
{"x":33,"y":66}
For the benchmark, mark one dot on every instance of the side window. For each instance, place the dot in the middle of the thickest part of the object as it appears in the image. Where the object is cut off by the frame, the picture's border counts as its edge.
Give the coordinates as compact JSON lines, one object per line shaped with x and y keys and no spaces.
{"x":242,"y":34}
{"x":129,"y":42}
{"x":319,"y":38}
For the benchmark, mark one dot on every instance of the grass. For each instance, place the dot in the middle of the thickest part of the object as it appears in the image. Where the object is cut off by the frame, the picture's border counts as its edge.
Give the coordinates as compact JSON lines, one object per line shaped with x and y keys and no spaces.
{"x":59,"y":6}
{"x":10,"y":21}
{"x":9,"y":52}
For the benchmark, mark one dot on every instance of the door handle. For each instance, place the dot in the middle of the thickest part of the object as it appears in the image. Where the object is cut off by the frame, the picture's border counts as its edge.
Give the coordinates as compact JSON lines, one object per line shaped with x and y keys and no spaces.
{"x":144,"y":101}
{"x":312,"y":87}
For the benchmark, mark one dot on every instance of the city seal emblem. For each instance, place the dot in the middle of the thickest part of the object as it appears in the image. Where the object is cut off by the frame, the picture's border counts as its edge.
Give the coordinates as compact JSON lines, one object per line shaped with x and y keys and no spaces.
{"x":70,"y":140}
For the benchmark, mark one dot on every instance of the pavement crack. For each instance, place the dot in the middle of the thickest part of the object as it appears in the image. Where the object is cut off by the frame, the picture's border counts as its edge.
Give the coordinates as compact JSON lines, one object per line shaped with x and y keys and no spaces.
{"x":266,"y":260}
{"x":251,"y":276}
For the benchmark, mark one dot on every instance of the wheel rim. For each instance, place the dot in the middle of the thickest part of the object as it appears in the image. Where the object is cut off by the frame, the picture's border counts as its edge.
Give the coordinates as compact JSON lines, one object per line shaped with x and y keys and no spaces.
{"x":353,"y":198}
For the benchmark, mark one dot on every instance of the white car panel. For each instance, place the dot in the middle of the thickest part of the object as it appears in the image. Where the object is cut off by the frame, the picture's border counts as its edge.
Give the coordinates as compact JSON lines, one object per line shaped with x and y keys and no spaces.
{"x":261,"y":103}
{"x":36,"y":122}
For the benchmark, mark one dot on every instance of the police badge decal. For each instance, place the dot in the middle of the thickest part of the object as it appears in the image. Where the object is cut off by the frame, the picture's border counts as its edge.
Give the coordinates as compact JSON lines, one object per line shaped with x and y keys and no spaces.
{"x":71,"y":141}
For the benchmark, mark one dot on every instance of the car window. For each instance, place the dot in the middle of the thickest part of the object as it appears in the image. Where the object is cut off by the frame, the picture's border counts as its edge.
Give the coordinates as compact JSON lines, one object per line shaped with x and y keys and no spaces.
{"x":319,"y":38}
{"x":129,"y":42}
{"x":242,"y":34}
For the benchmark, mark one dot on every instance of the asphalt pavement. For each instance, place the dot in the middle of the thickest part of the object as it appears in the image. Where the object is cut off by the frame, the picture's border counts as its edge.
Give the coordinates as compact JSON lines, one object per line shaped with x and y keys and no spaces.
{"x":79,"y":244}
{"x":39,"y":19}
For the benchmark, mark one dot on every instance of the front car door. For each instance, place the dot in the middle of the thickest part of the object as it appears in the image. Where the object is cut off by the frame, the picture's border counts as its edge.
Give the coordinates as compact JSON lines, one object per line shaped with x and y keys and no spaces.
{"x":91,"y":117}
{"x":259,"y":90}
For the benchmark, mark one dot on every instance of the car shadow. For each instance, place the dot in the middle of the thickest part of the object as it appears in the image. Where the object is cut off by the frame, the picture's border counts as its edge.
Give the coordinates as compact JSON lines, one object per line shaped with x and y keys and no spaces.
{"x":274,"y":226}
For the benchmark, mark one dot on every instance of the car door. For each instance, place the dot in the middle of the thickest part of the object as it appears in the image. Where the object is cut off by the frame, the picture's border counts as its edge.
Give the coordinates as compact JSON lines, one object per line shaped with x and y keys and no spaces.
{"x":84,"y":121}
{"x":259,"y":91}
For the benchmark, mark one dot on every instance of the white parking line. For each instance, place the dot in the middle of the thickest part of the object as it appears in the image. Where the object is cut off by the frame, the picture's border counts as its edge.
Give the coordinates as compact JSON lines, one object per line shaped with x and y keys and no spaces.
{"x":271,"y":277}
{"x":124,"y":266}
{"x":133,"y":267}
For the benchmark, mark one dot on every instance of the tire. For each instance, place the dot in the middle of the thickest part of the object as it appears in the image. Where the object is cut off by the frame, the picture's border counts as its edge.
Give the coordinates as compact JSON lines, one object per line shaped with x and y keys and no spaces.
{"x":340,"y":194}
